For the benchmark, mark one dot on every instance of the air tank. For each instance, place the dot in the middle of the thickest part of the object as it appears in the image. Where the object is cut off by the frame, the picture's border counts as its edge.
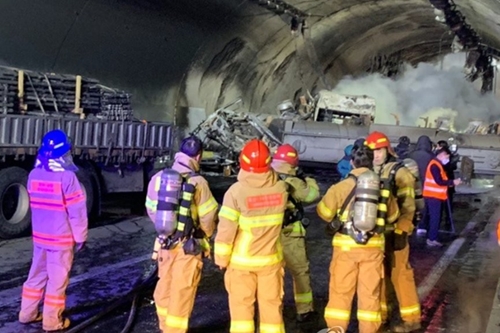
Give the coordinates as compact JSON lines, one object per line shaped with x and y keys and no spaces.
{"x":169,"y":193}
{"x":412,"y":166}
{"x":366,"y":198}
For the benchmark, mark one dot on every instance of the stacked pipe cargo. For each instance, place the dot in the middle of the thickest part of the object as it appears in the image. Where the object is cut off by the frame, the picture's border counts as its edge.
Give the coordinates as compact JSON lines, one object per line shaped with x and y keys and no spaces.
{"x":29,"y":92}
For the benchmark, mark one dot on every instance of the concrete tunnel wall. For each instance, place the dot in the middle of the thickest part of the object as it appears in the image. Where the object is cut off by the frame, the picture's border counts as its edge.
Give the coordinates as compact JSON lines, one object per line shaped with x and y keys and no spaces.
{"x":205,"y":54}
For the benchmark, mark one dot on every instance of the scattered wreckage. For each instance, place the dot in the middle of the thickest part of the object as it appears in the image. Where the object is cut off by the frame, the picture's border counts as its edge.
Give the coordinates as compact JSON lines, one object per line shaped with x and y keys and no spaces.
{"x":321,"y":127}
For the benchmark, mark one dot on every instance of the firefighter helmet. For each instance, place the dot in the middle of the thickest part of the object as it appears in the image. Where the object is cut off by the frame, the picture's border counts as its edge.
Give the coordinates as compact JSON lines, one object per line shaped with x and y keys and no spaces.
{"x":288,"y":154}
{"x":55,"y":144}
{"x":255,"y":157}
{"x":377,"y":140}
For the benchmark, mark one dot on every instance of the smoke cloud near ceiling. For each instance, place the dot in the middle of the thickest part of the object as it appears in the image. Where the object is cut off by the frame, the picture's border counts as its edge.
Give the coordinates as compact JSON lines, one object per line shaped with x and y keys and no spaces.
{"x":425,"y":90}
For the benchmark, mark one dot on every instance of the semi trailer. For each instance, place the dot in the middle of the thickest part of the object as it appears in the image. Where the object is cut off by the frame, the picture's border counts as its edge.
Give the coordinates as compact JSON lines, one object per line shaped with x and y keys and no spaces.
{"x":115,"y":152}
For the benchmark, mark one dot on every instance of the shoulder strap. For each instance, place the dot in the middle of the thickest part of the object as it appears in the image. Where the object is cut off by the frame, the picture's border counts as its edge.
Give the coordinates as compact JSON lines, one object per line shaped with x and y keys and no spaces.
{"x":350,"y":196}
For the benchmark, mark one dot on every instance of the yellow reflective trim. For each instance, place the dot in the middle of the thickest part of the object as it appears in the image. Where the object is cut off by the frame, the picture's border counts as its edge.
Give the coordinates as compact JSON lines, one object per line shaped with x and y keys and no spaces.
{"x":312,"y":194}
{"x":183,"y":211}
{"x":297,"y":227}
{"x":410,"y":310}
{"x":344,"y":216}
{"x":161,"y":311}
{"x":247,"y":223}
{"x":244,"y":241}
{"x":382,"y":207}
{"x":229,"y":213}
{"x":304,"y":298}
{"x":385,"y":193}
{"x":381,"y":140}
{"x":187,"y":196}
{"x":242,"y":326}
{"x":245,"y":159}
{"x":157,"y":183}
{"x":406,"y":192}
{"x":373,"y":316}
{"x":271,"y":328}
{"x":383,"y":306}
{"x":223,"y":249}
{"x":207,"y":207}
{"x":180,"y":226}
{"x":380,"y":222}
{"x":177,"y":322}
{"x":151,"y":204}
{"x":346,"y":242}
{"x":337,"y":314}
{"x":325,"y":211}
{"x":256,"y":261}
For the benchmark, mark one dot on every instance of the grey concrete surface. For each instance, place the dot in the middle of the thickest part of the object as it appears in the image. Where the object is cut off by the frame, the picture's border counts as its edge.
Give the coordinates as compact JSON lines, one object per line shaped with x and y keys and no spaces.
{"x":117,"y":254}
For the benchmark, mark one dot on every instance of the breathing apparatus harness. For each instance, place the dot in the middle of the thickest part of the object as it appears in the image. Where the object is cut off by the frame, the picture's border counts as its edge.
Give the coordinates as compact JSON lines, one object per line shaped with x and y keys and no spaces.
{"x":349,"y":227}
{"x":177,"y":204}
{"x":297,"y":213}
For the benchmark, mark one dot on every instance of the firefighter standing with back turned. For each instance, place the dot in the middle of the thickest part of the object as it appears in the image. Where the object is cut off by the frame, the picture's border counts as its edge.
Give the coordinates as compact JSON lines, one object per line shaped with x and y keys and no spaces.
{"x":183,"y":209}
{"x":301,"y":190}
{"x":356,"y":220}
{"x":248,"y":243}
{"x":59,"y":220}
{"x":397,"y":180}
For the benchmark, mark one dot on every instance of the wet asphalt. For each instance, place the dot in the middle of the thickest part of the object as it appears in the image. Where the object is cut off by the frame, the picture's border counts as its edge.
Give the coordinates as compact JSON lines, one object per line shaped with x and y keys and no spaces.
{"x":120,"y":244}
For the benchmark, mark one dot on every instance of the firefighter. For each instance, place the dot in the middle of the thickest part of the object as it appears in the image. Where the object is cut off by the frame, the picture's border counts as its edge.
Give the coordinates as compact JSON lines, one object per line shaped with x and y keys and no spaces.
{"x":248,"y":244}
{"x":357,"y":264}
{"x":181,"y":205}
{"x":435,"y":193}
{"x":400,"y":183}
{"x":59,"y":221}
{"x":301,"y":190}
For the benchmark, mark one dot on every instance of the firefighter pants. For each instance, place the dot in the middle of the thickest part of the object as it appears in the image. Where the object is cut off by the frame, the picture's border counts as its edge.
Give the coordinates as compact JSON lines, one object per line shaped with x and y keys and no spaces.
{"x":50,"y":273}
{"x":244,"y":288}
{"x":294,"y":251}
{"x":179,"y":275}
{"x":358,"y":270}
{"x":399,"y":274}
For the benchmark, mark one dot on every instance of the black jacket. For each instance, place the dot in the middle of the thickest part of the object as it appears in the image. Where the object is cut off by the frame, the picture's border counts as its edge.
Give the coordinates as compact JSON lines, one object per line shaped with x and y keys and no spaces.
{"x":422,"y":155}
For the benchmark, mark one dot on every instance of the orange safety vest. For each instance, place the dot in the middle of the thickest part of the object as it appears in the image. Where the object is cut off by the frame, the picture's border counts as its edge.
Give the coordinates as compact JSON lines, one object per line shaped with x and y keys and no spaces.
{"x":431,"y":189}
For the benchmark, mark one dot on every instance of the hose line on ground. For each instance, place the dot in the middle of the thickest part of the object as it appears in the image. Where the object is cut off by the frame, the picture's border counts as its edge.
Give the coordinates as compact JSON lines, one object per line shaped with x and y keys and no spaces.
{"x":147,"y":279}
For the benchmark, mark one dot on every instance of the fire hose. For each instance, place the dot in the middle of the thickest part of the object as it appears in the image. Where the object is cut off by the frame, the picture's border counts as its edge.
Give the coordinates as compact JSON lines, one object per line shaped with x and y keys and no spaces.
{"x":146,"y":280}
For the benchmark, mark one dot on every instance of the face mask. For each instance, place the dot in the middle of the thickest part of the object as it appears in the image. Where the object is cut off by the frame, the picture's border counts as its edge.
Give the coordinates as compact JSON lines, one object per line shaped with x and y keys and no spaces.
{"x":445,"y":161}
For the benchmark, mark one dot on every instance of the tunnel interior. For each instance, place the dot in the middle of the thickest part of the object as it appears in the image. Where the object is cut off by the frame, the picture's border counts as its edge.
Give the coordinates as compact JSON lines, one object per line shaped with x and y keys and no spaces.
{"x":176,"y":55}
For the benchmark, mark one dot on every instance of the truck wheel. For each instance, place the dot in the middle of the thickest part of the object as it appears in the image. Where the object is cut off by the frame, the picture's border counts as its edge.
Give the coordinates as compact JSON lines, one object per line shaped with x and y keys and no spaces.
{"x":15,"y":213}
{"x":87,"y":185}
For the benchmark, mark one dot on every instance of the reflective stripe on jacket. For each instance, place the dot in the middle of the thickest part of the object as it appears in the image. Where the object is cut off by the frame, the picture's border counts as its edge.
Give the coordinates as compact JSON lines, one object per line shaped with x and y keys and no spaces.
{"x":331,"y":204}
{"x":250,"y":222}
{"x":405,"y":193}
{"x":204,"y":206}
{"x":431,"y":188}
{"x":304,"y":191}
{"x":58,"y":209}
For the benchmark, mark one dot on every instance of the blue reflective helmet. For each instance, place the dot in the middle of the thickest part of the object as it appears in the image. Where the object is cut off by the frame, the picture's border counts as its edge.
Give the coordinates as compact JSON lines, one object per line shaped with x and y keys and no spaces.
{"x":191,"y":146}
{"x":54,"y":144}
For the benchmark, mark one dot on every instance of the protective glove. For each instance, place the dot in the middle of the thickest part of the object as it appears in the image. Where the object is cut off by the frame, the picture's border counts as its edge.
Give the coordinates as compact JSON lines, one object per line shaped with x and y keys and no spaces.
{"x":79,"y":246}
{"x":400,"y":239}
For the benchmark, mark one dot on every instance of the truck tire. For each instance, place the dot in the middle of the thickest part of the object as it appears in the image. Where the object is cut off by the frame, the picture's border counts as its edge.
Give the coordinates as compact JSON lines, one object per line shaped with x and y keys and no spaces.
{"x":15,"y":213}
{"x":85,"y":179}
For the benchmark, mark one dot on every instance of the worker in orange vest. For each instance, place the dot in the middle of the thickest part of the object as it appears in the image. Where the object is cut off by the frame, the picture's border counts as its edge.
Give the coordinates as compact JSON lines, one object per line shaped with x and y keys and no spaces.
{"x":248,"y":243}
{"x":435,"y":192}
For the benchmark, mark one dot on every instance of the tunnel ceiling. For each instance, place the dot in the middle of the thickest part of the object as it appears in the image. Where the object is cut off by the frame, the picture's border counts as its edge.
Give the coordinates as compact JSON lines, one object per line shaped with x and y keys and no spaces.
{"x":206,"y":53}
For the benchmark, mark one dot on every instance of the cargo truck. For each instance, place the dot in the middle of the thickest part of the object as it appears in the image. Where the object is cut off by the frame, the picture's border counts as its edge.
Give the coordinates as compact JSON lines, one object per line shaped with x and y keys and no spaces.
{"x":114,"y":151}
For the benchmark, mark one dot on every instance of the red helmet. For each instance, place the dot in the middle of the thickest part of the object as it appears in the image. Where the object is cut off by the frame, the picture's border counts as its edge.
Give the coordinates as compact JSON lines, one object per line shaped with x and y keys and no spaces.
{"x":255,"y":157}
{"x":288,"y":154}
{"x":377,"y":140}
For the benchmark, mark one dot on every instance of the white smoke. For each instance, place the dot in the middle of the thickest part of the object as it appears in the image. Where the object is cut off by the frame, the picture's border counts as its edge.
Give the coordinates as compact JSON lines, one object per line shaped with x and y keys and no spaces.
{"x":423,"y":88}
